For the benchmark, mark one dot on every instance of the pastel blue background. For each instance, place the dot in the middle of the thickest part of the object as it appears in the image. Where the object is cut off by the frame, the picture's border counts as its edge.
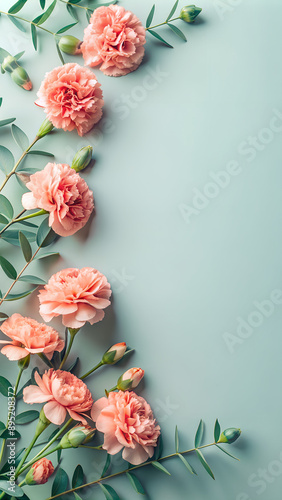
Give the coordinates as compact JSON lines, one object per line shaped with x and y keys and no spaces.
{"x":199,"y":258}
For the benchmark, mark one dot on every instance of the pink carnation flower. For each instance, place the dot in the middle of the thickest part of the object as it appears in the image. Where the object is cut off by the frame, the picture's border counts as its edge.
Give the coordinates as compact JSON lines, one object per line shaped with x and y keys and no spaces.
{"x":80,"y":295}
{"x":127,"y":421}
{"x":40,"y":472}
{"x":72,"y":98}
{"x":63,"y":392}
{"x":115,"y":39}
{"x":61,"y":191}
{"x":29,"y":337}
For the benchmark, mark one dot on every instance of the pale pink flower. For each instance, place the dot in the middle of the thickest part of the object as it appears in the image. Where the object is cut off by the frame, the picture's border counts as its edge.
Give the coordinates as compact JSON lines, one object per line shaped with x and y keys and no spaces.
{"x":127,"y":421}
{"x":79,"y":295}
{"x":40,"y":472}
{"x":71,"y":97}
{"x":61,"y":191}
{"x":115,"y":39}
{"x":130,"y":379}
{"x":29,"y":337}
{"x":63,"y":392}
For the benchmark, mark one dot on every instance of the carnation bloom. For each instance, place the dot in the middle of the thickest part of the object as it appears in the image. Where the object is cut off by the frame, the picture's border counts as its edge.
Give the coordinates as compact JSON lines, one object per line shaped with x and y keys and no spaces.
{"x":80,"y":295}
{"x":40,"y":472}
{"x":115,"y":39}
{"x":29,"y":337}
{"x":72,"y":98}
{"x":61,"y":191}
{"x":127,"y":421}
{"x":63,"y":392}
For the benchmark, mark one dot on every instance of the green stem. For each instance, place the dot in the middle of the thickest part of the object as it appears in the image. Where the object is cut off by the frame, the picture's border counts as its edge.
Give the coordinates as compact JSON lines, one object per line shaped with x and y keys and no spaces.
{"x":93,"y":370}
{"x":35,"y":214}
{"x":12,"y":221}
{"x":75,"y":5}
{"x":14,"y":395}
{"x":27,"y":21}
{"x":19,"y":275}
{"x":129,"y":470}
{"x":41,"y":453}
{"x":72,"y":335}
{"x":92,"y":447}
{"x":21,"y":158}
{"x":26,"y":453}
{"x":162,"y":24}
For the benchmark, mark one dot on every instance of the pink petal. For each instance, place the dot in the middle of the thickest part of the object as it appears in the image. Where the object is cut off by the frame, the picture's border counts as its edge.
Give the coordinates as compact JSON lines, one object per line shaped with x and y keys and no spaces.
{"x":111,"y":444}
{"x":135,"y":456}
{"x":98,"y":407}
{"x":33,"y":394}
{"x":76,"y":416}
{"x":13,"y":352}
{"x":55,"y":412}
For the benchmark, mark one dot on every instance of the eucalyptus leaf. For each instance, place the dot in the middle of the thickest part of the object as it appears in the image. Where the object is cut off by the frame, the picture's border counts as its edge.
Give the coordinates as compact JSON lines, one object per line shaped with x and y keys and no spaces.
{"x":28,"y":278}
{"x":160,"y":467}
{"x":73,"y":366}
{"x":106,"y":466}
{"x":5,"y":385}
{"x":78,"y":477}
{"x":88,"y":14}
{"x":25,"y":246}
{"x":60,"y":53}
{"x":1,"y":100}
{"x":17,"y":6}
{"x":66,"y":28}
{"x":177,"y":31}
{"x":34,"y":35}
{"x":60,"y":483}
{"x":159,"y":448}
{"x":187,"y":465}
{"x":6,"y":122}
{"x":204,"y":463}
{"x":76,"y":496}
{"x":6,"y":159}
{"x":135,"y":483}
{"x":26,"y":417}
{"x":216,"y":431}
{"x":42,"y":153}
{"x":6,"y":487}
{"x":3,"y":316}
{"x":19,"y":55}
{"x":59,"y":454}
{"x":172,"y":11}
{"x":109,"y":492}
{"x":45,"y":255}
{"x":150,"y":16}
{"x":156,"y":35}
{"x":27,"y":223}
{"x":45,"y":235}
{"x":71,"y":10}
{"x":199,"y":434}
{"x":7,"y":467}
{"x":3,"y":219}
{"x":8,"y":268}
{"x":10,"y":434}
{"x":227,"y":453}
{"x":42,"y":4}
{"x":20,"y":137}
{"x":20,"y":393}
{"x":47,"y":13}
{"x":12,"y":236}
{"x":17,"y":296}
{"x":17,"y":23}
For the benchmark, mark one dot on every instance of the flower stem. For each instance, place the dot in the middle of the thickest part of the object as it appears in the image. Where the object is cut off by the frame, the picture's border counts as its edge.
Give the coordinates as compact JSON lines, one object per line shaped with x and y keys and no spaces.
{"x":19,"y":275}
{"x":93,"y":370}
{"x":72,"y":335}
{"x":14,"y":395}
{"x":19,"y":219}
{"x":26,"y":453}
{"x":19,"y":161}
{"x":129,"y":470}
{"x":27,"y":21}
{"x":41,"y":453}
{"x":162,"y":24}
{"x":75,"y":5}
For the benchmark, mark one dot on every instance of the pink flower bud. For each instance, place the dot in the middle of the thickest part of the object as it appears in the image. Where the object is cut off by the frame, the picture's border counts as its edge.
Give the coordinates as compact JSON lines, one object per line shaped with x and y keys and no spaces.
{"x":130,"y":379}
{"x":114,"y":354}
{"x":40,"y":472}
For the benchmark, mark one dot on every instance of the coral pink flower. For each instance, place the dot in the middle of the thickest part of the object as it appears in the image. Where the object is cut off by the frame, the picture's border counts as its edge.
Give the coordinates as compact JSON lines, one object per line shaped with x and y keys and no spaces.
{"x":29,"y":337}
{"x":64,"y":392}
{"x":80,"y":295}
{"x":115,"y":39}
{"x":40,"y":472}
{"x":127,"y":422}
{"x":61,"y":191}
{"x":72,"y":98}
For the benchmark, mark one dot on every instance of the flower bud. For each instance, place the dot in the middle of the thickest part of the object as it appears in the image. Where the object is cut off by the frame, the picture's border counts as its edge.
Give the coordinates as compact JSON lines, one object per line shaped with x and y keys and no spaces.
{"x":130,"y":379}
{"x":9,"y":64}
{"x":70,"y":44}
{"x":114,"y":354}
{"x":189,"y":13}
{"x":21,"y":78}
{"x":39,"y":472}
{"x":23,"y":363}
{"x":45,"y":128}
{"x":82,"y":158}
{"x":229,"y":435}
{"x":42,"y":423}
{"x":76,"y":436}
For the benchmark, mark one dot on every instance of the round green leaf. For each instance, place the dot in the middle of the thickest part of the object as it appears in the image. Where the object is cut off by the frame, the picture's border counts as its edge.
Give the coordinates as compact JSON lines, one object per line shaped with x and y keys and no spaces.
{"x":26,"y":417}
{"x":6,"y":159}
{"x":20,"y":137}
{"x":25,"y":246}
{"x":8,"y":268}
{"x":5,"y":387}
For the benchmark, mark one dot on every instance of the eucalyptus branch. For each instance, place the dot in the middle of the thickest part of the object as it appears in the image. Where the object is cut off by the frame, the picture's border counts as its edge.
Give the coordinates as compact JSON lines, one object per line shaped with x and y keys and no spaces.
{"x":128,"y":470}
{"x":12,"y":221}
{"x":18,"y":162}
{"x":76,"y":5}
{"x":162,"y":24}
{"x":27,"y":21}
{"x":19,"y":275}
